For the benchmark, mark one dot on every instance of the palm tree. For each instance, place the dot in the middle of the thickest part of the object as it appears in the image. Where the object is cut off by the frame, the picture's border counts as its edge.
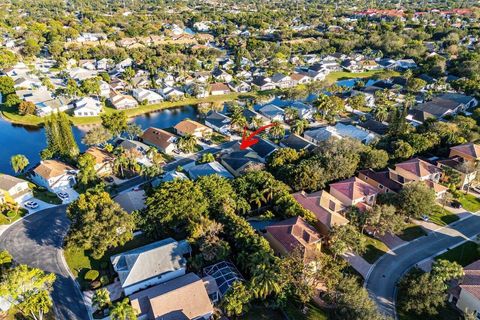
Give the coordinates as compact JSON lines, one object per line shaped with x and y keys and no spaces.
{"x":265,"y":281}
{"x":238,"y":121}
{"x":121,"y":161}
{"x":380,"y":113}
{"x":291,"y":114}
{"x":123,"y":311}
{"x":101,"y":298}
{"x":256,"y":122}
{"x":187,"y":143}
{"x":299,"y":126}
{"x":19,"y":162}
{"x":277,"y":131}
{"x":258,"y":198}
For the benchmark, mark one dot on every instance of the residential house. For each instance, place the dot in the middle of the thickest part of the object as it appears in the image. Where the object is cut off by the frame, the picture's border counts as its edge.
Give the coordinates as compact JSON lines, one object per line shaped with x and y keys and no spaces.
{"x":264,"y":148}
{"x":103,"y":161}
{"x":441,"y":106}
{"x":136,"y":150}
{"x":221,"y":75}
{"x":104,"y":89}
{"x":380,"y":180}
{"x":130,"y":201}
{"x":87,"y":107}
{"x":187,"y":127}
{"x":219,"y":88}
{"x":170,"y":93}
{"x":296,"y":142}
{"x":225,"y":274}
{"x":376,"y":127}
{"x":304,"y":111}
{"x":354,"y":192}
{"x":339,"y":131}
{"x":241,"y":161}
{"x":272,"y":112}
{"x":148,"y":96}
{"x":161,"y":139}
{"x":122,"y":101}
{"x":469,"y":152}
{"x":465,"y":171}
{"x":151,"y":265}
{"x":300,"y":78}
{"x":466,"y":295}
{"x":14,"y":189}
{"x":282,"y":81}
{"x":327,"y":209}
{"x":240,"y":86}
{"x":294,"y":234}
{"x":184,"y":297}
{"x":263,"y":83}
{"x":252,"y":114}
{"x":218,"y":121}
{"x":207,"y":169}
{"x":54,"y":175}
{"x":417,"y":169}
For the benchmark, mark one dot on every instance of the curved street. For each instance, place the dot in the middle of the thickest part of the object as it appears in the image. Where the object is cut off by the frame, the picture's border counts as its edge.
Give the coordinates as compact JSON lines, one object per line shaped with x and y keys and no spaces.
{"x":385,"y":273}
{"x":37,"y":241}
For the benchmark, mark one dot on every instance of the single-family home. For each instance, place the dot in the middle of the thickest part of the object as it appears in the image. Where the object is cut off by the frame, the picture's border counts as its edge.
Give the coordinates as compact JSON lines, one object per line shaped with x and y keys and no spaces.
{"x":466,"y":295}
{"x":221,"y":75}
{"x":218,"y":121}
{"x":354,"y":192}
{"x":54,"y":175}
{"x":241,"y":161}
{"x":464,"y":170}
{"x":300,"y":78}
{"x":104,"y":89}
{"x":14,"y":189}
{"x":219,"y":88}
{"x":272,"y":112}
{"x":87,"y":107}
{"x":264,"y":148}
{"x":294,"y":234}
{"x":339,"y":131}
{"x":240,"y":86}
{"x":136,"y":149}
{"x":469,"y":152}
{"x":143,"y":95}
{"x":380,"y":180}
{"x":130,"y":201}
{"x":296,"y":142}
{"x":185,"y":298}
{"x":151,"y":264}
{"x":171,"y":93}
{"x":263,"y":83}
{"x":190,"y":127}
{"x":206,"y":169}
{"x":225,"y":274}
{"x":161,"y":139}
{"x":327,"y":209}
{"x":282,"y":81}
{"x":103,"y":161}
{"x":122,"y":101}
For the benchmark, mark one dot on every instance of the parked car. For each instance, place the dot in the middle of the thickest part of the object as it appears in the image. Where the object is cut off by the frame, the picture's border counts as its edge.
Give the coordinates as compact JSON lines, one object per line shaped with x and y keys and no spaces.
{"x":476,"y":189}
{"x":456,"y":204}
{"x":109,"y":179}
{"x":425,"y":217}
{"x":63,"y":195}
{"x":31,"y":204}
{"x":137,"y":188}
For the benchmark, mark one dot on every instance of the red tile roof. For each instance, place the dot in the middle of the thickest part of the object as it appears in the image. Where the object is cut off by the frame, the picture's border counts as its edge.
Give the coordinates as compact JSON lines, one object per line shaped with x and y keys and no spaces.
{"x":471,"y":280}
{"x":354,"y":188}
{"x":293,"y":233}
{"x":470,"y":149}
{"x":418,"y":167}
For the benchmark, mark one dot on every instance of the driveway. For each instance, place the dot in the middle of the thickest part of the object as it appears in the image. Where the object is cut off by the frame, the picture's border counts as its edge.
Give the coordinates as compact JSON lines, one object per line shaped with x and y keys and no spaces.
{"x":380,"y":281}
{"x":37,"y":241}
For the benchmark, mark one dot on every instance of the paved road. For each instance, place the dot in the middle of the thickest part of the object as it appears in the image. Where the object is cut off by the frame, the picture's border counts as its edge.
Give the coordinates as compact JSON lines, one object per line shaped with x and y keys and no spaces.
{"x":37,"y":241}
{"x":391,"y":267}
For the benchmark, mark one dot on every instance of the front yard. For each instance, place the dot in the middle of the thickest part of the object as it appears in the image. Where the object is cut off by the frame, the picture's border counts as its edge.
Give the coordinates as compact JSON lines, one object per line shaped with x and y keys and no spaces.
{"x":293,"y":311}
{"x":80,"y":262}
{"x":442,"y":216}
{"x":411,"y":232}
{"x":463,"y":254}
{"x":375,"y":249}
{"x":46,"y":196}
{"x":469,"y":202}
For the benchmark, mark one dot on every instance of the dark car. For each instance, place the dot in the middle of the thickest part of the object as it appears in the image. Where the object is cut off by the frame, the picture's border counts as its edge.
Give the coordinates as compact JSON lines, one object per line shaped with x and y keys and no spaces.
{"x":456,"y":204}
{"x":109,"y":179}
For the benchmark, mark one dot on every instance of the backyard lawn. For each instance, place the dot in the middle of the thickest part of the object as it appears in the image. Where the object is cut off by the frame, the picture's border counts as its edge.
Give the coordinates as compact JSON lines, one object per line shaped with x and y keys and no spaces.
{"x":260,"y":312}
{"x":411,"y":232}
{"x":469,"y":202}
{"x":294,"y":312}
{"x":80,"y":262}
{"x":464,"y":254}
{"x":375,"y":249}
{"x":442,"y":216}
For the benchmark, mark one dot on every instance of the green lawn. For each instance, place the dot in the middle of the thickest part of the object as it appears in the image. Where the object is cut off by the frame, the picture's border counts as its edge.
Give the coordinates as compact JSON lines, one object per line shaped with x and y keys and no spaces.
{"x":464,"y":254}
{"x":260,"y":312}
{"x":46,"y":196}
{"x":5,"y":219}
{"x":442,"y":216}
{"x":344,"y":75}
{"x":375,"y":249}
{"x":79,"y":261}
{"x":469,"y":202}
{"x":444,"y":313}
{"x":218,"y":138}
{"x":411,"y":232}
{"x":294,"y":312}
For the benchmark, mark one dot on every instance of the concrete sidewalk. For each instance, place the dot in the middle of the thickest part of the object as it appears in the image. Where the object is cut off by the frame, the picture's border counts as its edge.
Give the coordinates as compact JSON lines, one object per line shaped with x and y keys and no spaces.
{"x":358,"y":263}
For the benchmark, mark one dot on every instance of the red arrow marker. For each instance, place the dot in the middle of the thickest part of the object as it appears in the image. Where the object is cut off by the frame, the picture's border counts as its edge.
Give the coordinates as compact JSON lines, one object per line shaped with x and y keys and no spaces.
{"x":251,"y":140}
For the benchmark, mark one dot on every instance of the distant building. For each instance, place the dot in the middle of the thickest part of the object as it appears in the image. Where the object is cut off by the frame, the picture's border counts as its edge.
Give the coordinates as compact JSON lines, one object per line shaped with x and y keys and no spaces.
{"x":14,"y":189}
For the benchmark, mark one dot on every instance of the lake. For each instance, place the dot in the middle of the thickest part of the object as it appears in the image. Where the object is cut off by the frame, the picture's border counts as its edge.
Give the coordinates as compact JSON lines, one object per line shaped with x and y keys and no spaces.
{"x":29,"y":141}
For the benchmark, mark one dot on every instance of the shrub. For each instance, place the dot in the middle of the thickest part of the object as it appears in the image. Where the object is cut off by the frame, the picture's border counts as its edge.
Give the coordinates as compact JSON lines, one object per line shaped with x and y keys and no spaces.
{"x":104,"y":280}
{"x":91,"y":275}
{"x":11,"y":214}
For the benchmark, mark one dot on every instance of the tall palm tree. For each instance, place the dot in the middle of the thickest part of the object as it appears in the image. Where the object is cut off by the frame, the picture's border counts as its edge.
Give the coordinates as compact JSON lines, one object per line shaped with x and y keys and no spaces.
{"x":265,"y":281}
{"x":238,"y":121}
{"x":187,"y":143}
{"x":256,"y":122}
{"x":277,"y":131}
{"x":258,"y":198}
{"x":123,"y":311}
{"x":291,"y":114}
{"x":380,"y":113}
{"x":299,"y":126}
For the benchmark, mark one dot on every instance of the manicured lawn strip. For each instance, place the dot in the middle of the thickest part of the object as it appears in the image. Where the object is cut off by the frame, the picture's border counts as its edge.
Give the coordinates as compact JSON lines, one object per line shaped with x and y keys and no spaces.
{"x":79,"y":261}
{"x":411,"y":232}
{"x":46,"y":196}
{"x":260,"y":312}
{"x":375,"y":249}
{"x":469,"y":202}
{"x":344,"y":75}
{"x":442,"y":216}
{"x":463,"y":254}
{"x":293,"y":311}
{"x":4,"y":219}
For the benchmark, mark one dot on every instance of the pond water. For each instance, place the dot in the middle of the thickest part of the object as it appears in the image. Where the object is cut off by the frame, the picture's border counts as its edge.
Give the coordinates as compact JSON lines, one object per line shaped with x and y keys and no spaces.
{"x":29,"y":141}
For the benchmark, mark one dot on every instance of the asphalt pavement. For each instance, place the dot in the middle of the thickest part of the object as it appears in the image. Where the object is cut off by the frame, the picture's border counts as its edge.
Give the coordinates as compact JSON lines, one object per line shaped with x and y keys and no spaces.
{"x":37,"y":241}
{"x":388,"y":270}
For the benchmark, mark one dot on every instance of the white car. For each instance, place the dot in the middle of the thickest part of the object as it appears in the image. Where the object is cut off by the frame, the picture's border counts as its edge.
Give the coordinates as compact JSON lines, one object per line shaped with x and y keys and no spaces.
{"x":31,"y":204}
{"x":63,"y":195}
{"x":425,"y":217}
